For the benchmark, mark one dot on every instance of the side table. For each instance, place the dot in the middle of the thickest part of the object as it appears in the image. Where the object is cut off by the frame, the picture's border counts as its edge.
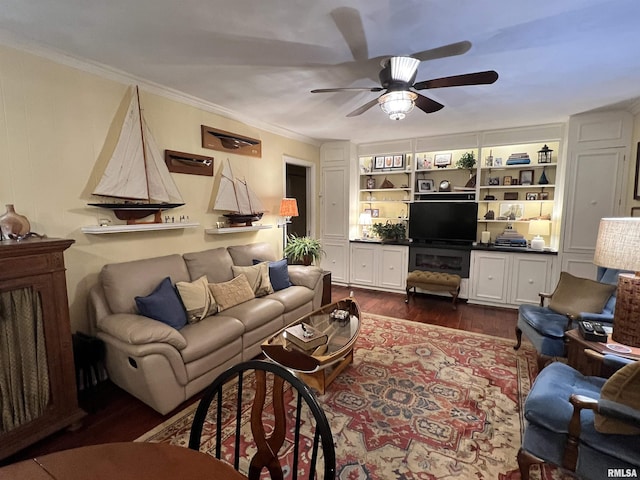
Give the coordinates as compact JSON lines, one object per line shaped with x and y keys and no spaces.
{"x":576,"y":346}
{"x":326,"y":288}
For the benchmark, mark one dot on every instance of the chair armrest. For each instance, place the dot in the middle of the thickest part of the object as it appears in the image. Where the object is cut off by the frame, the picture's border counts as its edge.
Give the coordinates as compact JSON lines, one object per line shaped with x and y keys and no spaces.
{"x":579,"y":402}
{"x":305,"y":276}
{"x":595,"y":317}
{"x":544,"y":296}
{"x":139,"y":330}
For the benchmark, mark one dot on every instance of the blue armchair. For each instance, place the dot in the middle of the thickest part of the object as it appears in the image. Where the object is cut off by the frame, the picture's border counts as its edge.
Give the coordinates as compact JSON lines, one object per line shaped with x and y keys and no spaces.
{"x":566,"y":414}
{"x":545,"y":327}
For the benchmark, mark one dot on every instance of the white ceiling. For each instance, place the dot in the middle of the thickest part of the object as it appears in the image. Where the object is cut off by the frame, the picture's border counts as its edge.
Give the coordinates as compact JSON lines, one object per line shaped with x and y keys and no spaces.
{"x":261,"y":58}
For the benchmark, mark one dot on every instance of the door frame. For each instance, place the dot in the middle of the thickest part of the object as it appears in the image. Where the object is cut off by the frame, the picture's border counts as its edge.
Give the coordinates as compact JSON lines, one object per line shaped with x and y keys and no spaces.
{"x":312,"y":196}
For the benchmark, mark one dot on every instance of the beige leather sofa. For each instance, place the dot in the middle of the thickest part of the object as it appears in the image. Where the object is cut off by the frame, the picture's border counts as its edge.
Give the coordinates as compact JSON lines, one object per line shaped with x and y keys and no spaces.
{"x":163,"y":366}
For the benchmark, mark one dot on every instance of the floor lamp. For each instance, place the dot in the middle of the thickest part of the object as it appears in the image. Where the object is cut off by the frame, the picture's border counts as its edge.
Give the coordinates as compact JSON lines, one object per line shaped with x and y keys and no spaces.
{"x":618,"y":246}
{"x":288,"y":209}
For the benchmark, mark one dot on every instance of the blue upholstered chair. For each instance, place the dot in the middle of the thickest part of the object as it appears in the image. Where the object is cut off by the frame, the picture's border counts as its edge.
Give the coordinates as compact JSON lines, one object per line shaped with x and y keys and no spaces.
{"x":545,"y":328}
{"x":565,"y":415}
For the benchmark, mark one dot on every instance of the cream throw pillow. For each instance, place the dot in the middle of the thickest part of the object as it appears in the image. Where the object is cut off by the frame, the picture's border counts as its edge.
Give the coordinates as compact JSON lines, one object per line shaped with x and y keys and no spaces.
{"x":622,"y":387}
{"x":574,"y":295}
{"x":232,"y":293}
{"x":257,"y":276}
{"x":197,"y":299}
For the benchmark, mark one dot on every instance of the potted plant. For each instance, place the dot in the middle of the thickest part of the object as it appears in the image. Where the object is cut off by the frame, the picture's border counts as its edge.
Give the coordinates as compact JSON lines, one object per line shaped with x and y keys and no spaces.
{"x":468,"y":161}
{"x":390,"y":231}
{"x":303,"y":250}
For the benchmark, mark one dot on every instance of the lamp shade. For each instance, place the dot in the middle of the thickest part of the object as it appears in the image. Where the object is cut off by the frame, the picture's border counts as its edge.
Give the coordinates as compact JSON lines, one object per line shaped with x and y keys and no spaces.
{"x":618,"y":244}
{"x":397,"y":104}
{"x":539,"y":227}
{"x":288,"y":207}
{"x":365,"y":219}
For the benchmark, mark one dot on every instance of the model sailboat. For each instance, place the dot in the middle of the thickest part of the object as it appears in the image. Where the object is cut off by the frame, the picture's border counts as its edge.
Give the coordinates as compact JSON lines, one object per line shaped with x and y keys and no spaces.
{"x":137,"y":175}
{"x":235,"y":196}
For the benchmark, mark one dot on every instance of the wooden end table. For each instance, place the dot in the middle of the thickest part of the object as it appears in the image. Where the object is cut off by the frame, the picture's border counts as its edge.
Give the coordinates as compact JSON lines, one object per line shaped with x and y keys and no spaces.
{"x":576,"y":346}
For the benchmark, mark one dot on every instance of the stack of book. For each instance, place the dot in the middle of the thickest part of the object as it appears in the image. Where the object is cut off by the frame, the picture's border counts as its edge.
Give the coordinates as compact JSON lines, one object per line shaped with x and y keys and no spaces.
{"x":305,"y":337}
{"x":518,"y":159}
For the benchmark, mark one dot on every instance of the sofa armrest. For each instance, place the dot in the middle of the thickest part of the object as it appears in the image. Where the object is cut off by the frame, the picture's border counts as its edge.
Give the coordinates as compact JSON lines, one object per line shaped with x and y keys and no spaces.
{"x":139,"y":330}
{"x":305,"y":276}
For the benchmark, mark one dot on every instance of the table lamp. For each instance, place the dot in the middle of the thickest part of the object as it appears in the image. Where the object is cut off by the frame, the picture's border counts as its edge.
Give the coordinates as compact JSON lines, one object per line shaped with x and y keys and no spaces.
{"x":288,"y":209}
{"x":365,"y":220}
{"x":618,"y":246}
{"x":538,"y":228}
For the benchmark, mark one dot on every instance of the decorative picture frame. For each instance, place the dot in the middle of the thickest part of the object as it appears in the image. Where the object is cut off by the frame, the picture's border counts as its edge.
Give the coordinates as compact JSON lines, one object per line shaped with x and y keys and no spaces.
{"x":368,"y":210}
{"x":497,"y":162}
{"x":426,"y":185}
{"x":379,"y":163}
{"x":442,"y":159}
{"x":506,"y":180}
{"x":375,"y":213}
{"x":511,"y":195}
{"x":525,"y":177}
{"x":494,"y":180}
{"x":511,"y":211}
{"x":388,"y":161}
{"x":398,"y":162}
{"x":531,"y":196}
{"x":543,"y":196}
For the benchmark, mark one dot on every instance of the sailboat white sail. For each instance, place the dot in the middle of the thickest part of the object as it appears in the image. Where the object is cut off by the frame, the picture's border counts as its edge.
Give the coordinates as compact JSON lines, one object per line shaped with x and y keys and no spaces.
{"x":136,"y":174}
{"x":235,"y":196}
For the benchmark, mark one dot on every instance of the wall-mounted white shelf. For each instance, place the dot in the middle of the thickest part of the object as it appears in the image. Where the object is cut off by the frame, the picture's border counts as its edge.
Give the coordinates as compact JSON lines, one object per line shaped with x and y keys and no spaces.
{"x":140,"y":227}
{"x":220,"y":231}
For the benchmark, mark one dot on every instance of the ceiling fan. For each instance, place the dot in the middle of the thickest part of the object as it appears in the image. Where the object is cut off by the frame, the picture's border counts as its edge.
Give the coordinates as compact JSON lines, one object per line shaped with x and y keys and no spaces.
{"x":397,"y":79}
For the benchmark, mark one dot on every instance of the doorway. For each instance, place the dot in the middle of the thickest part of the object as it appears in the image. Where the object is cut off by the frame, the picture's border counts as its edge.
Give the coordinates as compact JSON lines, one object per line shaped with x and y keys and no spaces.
{"x":300,"y":184}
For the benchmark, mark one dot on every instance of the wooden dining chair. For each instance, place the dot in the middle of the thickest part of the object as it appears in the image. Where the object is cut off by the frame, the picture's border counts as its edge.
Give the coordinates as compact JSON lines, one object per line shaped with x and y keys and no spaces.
{"x":287,"y":430}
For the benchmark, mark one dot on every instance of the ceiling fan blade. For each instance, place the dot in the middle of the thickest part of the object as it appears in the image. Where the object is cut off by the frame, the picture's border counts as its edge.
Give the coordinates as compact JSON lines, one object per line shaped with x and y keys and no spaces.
{"x":426,"y":104}
{"x":450,"y":50}
{"x":478,"y":78}
{"x":363,"y":108}
{"x":347,"y":89}
{"x":349,"y":23}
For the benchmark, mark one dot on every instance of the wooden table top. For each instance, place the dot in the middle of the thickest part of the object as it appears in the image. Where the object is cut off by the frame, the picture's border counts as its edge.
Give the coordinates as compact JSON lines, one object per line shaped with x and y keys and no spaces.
{"x":610,"y":347}
{"x":122,"y":461}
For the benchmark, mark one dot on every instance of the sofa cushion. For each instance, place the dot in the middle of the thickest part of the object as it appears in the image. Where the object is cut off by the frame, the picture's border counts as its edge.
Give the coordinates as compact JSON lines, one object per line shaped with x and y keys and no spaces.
{"x":543,"y":320}
{"x":574,"y":295}
{"x":215,"y":263}
{"x":164,"y":305}
{"x":139,"y":330}
{"x":231,"y":293}
{"x":243,"y":255}
{"x":278,"y":274}
{"x":292,"y":297}
{"x":622,"y":387}
{"x":256,"y":312}
{"x":257,"y":276}
{"x":197,"y":299}
{"x":122,"y":282}
{"x":210,"y":334}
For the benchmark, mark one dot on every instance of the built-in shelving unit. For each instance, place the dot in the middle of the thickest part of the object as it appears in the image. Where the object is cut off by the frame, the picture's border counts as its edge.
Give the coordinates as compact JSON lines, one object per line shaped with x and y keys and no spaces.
{"x":140,"y":227}
{"x":225,"y":230}
{"x":432,"y":168}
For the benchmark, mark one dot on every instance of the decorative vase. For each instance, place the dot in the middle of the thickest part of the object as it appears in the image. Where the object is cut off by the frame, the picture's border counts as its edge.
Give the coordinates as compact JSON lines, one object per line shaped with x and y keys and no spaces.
{"x":12,"y":223}
{"x":543,"y":178}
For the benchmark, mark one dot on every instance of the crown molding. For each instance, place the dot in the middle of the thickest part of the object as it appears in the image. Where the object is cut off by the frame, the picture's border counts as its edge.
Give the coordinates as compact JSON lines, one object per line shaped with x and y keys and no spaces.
{"x":11,"y":40}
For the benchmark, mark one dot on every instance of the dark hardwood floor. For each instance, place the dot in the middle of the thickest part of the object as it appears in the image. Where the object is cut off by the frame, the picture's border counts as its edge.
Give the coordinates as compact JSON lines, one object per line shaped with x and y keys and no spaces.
{"x":115,"y":416}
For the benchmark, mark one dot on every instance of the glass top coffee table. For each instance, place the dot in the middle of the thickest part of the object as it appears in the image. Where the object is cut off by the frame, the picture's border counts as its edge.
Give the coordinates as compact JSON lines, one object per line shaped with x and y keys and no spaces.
{"x":336,"y":327}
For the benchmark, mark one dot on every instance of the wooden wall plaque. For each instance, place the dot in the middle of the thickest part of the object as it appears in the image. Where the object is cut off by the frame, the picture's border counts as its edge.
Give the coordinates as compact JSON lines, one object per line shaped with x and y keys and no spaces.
{"x":180,"y":162}
{"x":223,"y":141}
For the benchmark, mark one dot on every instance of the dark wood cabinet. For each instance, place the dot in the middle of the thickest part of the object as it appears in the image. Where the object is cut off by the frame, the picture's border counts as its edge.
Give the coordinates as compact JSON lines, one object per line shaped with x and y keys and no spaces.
{"x":36,"y":267}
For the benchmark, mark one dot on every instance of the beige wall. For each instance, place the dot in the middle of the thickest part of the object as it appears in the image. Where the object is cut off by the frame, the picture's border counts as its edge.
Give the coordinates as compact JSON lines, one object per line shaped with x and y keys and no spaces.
{"x":57,"y":126}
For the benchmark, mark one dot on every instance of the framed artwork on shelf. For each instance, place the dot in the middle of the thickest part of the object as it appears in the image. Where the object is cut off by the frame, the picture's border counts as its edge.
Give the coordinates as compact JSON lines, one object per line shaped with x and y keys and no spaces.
{"x":635,"y":211}
{"x":375,"y":213}
{"x":442,"y":159}
{"x":497,"y":162}
{"x":636,"y":185}
{"x":368,"y":210}
{"x":543,"y":196}
{"x":423,"y":162}
{"x":398,"y":161}
{"x":379,"y":163}
{"x":388,"y":161}
{"x":366,"y":165}
{"x":511,"y":211}
{"x":531,"y":196}
{"x":426,"y":185}
{"x":494,"y":180}
{"x":511,"y":195}
{"x":525,"y":177}
{"x":506,"y":180}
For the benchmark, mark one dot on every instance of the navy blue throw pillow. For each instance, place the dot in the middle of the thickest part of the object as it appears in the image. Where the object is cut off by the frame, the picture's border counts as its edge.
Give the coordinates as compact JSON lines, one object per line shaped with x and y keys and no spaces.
{"x":164,"y":305}
{"x":278,"y":274}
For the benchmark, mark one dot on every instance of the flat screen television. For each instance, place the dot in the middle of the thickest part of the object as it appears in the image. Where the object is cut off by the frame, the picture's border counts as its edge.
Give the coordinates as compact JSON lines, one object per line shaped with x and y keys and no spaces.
{"x":443,"y":222}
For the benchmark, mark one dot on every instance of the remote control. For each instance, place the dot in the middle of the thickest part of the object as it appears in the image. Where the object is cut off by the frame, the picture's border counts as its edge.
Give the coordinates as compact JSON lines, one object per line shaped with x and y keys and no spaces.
{"x":587,"y":326}
{"x":598,"y":329}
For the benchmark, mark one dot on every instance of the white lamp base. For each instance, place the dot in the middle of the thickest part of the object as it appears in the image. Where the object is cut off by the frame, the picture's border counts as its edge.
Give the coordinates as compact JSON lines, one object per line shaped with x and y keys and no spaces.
{"x":537,"y":243}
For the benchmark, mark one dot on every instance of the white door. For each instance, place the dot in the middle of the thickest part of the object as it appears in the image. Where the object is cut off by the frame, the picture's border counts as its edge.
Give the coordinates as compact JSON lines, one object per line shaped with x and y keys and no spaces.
{"x":392,"y":273}
{"x":363,"y":266}
{"x":529,"y":276}
{"x":489,"y":277}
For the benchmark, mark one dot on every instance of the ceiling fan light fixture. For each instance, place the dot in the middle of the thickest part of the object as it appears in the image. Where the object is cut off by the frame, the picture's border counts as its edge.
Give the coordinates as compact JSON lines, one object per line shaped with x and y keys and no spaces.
{"x":397,"y":104}
{"x":403,"y":68}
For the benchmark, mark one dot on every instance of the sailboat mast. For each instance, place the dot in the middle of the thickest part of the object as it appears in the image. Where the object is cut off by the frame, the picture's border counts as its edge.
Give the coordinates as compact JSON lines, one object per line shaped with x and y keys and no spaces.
{"x":144,"y":148}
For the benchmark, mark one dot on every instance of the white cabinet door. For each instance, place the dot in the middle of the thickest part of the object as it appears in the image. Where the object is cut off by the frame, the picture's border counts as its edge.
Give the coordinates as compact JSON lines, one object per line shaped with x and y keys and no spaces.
{"x":490,"y":276}
{"x":363,"y":264}
{"x":335,"y":260}
{"x":529,"y":276}
{"x":392,"y":271}
{"x":335,"y":206}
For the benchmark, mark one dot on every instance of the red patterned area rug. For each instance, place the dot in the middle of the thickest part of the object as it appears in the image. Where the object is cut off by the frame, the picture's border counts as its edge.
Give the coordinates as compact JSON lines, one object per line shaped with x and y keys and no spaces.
{"x":419,"y":402}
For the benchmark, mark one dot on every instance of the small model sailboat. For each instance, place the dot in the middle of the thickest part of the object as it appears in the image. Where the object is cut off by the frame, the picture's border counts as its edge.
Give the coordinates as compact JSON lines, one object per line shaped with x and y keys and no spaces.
{"x":136,"y":174}
{"x":235,"y":196}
